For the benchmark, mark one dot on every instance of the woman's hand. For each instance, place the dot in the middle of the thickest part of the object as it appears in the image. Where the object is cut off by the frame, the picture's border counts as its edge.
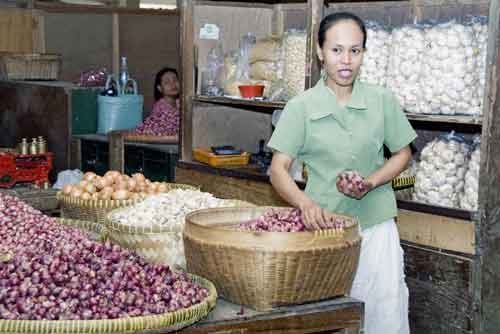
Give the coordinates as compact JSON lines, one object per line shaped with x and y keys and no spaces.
{"x":357,"y":192}
{"x":313,"y":216}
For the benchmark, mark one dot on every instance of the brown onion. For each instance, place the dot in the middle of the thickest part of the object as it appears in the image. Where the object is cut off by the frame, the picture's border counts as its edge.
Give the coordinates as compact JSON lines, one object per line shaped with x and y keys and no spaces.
{"x":162,"y":188}
{"x":76,"y":192}
{"x":67,"y":189}
{"x":139,"y":177}
{"x":89,"y":176}
{"x":120,"y":194}
{"x":86,"y":196}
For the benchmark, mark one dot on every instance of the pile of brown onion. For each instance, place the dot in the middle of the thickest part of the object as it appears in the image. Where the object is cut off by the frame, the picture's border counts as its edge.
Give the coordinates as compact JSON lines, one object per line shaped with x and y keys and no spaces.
{"x":114,"y":186}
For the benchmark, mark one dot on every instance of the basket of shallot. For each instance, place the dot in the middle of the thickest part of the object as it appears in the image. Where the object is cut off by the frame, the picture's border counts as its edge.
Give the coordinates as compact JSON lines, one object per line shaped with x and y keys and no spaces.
{"x":55,"y":278}
{"x":265,"y":257}
{"x":153,"y":228}
{"x":93,"y":197}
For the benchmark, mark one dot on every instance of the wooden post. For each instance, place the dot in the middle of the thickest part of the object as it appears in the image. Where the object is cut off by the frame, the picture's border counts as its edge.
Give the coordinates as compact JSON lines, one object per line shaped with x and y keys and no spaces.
{"x":187,"y":77}
{"x":489,"y":192}
{"x":116,"y":43}
{"x":315,"y":15}
{"x":116,"y":151}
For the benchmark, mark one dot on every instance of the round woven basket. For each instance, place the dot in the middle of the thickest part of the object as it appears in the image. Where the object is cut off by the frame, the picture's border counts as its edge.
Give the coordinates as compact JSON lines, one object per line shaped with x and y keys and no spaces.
{"x":96,"y":209}
{"x":168,"y":322}
{"x":154,"y":243}
{"x":268,"y":269}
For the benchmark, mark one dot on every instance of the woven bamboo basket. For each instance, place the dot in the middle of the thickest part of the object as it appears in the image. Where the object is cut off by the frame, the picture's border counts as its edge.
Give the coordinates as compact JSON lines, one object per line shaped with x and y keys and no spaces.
{"x":268,"y":269}
{"x":168,"y":322}
{"x":96,"y":209}
{"x":30,"y":66}
{"x":153,"y":243}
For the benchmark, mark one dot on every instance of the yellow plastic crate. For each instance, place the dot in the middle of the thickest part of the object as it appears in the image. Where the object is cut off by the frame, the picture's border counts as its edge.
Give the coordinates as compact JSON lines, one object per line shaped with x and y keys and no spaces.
{"x":206,"y":156}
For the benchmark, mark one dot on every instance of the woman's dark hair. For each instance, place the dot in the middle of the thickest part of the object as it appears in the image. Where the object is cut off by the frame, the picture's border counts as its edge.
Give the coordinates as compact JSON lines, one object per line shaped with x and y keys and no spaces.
{"x":157,"y":94}
{"x":332,"y":19}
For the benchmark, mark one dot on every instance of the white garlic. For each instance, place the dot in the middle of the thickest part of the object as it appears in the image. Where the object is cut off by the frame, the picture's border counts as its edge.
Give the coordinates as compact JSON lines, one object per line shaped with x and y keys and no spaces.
{"x":294,"y":47}
{"x":469,"y":197}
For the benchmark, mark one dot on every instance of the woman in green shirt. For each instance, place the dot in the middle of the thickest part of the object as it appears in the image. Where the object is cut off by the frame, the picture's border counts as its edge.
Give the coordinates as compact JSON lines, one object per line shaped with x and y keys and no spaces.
{"x":342,"y":123}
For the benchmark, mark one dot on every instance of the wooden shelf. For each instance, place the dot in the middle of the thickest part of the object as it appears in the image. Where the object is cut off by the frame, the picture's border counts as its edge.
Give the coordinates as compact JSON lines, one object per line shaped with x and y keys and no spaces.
{"x":438,"y":210}
{"x":262,"y":106}
{"x":468,"y":120}
{"x":69,"y":8}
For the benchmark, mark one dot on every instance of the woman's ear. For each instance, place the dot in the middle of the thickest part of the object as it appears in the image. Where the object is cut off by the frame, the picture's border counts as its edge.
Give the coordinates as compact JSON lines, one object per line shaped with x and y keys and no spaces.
{"x":319,"y":51}
{"x":158,"y":87}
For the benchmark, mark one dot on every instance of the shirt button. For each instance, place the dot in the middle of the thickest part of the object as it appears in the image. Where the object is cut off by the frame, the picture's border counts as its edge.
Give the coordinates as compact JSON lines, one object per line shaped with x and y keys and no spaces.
{"x":353,"y":157}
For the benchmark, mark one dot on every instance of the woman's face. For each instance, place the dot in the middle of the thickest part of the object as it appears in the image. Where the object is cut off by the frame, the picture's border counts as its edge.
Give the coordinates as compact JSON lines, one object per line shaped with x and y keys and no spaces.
{"x":169,"y":85}
{"x":342,"y":53}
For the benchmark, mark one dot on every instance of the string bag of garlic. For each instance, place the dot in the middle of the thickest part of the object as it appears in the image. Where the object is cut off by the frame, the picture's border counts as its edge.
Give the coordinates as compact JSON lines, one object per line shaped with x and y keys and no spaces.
{"x":449,"y":70}
{"x":167,"y":211}
{"x":376,"y":56}
{"x":405,"y":65}
{"x":469,"y":197}
{"x":479,"y":26}
{"x":294,"y":48}
{"x":440,"y":172}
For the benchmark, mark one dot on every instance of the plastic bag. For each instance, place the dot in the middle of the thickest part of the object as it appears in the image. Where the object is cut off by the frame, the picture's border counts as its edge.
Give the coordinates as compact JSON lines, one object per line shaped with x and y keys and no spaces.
{"x":469,"y":196}
{"x":440,"y":172}
{"x":376,"y":56}
{"x":294,"y":46}
{"x":68,"y":177}
{"x":267,"y":49}
{"x":264,"y":70}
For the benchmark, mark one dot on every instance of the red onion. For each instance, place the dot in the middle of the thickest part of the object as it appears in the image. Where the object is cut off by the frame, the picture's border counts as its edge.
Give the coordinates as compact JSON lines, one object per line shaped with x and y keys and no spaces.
{"x":56,"y":272}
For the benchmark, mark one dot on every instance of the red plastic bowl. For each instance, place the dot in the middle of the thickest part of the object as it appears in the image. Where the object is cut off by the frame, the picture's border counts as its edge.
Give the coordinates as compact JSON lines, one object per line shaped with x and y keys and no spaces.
{"x":250,"y":91}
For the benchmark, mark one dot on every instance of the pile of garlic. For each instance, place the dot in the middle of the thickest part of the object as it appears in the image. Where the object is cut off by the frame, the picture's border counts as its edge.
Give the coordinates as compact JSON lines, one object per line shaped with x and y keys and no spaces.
{"x":440,"y":173}
{"x":469,"y":197}
{"x":294,"y":48}
{"x":449,"y":76}
{"x":376,"y":56}
{"x":168,"y":210}
{"x":480,"y":28}
{"x":403,"y":74}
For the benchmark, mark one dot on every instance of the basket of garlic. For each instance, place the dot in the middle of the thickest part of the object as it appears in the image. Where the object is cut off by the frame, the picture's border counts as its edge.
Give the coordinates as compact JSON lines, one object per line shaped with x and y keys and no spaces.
{"x":153,"y":228}
{"x":252,"y":260}
{"x":95,"y":196}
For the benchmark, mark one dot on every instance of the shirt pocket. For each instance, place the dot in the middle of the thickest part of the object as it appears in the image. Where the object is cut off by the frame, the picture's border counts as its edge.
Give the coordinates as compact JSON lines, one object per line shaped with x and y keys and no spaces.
{"x":325,"y":139}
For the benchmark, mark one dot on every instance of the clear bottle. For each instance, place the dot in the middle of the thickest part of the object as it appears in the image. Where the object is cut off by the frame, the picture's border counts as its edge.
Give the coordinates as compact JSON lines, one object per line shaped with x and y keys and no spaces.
{"x":123,"y":71}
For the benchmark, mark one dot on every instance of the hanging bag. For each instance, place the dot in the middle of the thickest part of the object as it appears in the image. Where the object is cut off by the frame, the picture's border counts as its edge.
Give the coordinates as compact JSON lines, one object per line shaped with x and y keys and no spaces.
{"x":123,"y":111}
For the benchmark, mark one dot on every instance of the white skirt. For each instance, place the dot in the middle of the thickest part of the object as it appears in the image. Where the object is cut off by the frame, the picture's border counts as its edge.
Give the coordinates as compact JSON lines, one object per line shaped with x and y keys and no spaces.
{"x":379,"y":281}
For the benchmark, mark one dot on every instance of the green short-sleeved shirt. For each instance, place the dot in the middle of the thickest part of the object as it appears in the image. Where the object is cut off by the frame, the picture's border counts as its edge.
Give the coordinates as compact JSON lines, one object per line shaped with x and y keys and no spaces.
{"x":330,"y":138}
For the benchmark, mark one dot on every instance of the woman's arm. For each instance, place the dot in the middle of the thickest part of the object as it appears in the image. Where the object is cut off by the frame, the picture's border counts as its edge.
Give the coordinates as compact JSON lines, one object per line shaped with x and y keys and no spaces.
{"x":312,"y":214}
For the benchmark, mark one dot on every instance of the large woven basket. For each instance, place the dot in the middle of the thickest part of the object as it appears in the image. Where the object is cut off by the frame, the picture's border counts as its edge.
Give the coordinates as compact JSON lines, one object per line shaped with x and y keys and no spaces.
{"x":268,"y":269}
{"x":158,"y":244}
{"x":168,"y":322}
{"x":30,"y":66}
{"x":96,"y":209}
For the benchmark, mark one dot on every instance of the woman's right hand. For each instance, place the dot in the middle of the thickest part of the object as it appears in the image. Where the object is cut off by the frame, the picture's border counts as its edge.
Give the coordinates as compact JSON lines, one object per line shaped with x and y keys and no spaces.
{"x":313,"y":216}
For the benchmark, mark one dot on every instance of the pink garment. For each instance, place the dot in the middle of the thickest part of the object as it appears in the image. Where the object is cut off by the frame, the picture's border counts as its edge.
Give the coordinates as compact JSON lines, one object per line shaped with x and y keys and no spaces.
{"x":163,"y":120}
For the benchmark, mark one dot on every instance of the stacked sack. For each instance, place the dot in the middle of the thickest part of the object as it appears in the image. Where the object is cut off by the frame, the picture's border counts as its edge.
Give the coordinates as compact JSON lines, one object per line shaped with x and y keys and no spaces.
{"x":469,"y":196}
{"x":403,"y":75}
{"x":294,"y":47}
{"x":440,"y":173}
{"x":480,"y":27}
{"x":376,"y":57}
{"x":449,"y":77}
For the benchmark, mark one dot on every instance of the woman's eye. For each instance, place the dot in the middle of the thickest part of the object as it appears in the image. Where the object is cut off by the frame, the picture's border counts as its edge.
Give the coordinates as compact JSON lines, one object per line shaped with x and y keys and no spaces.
{"x":356,"y":51}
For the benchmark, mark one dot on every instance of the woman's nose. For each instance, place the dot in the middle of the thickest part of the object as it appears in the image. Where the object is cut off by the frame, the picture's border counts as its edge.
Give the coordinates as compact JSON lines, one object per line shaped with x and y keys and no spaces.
{"x":346,"y":57}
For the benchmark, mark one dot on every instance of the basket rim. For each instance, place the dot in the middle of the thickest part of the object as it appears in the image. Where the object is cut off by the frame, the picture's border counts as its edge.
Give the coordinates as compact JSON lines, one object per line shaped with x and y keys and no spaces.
{"x":113,"y":225}
{"x":164,"y":321}
{"x":94,"y":203}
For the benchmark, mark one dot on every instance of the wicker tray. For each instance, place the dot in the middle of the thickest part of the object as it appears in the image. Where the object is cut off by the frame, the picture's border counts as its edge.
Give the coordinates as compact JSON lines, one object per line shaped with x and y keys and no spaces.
{"x":168,"y":322}
{"x":152,"y":243}
{"x":30,"y":66}
{"x":95,"y":210}
{"x":268,"y":269}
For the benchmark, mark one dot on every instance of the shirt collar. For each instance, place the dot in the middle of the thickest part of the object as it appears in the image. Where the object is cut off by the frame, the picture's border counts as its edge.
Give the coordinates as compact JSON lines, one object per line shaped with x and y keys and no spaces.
{"x":357,"y":100}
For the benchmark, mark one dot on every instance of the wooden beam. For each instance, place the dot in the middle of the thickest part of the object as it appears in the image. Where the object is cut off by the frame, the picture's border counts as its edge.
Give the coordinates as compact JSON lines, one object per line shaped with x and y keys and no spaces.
{"x":437,"y":231}
{"x":116,"y":44}
{"x":116,"y":151}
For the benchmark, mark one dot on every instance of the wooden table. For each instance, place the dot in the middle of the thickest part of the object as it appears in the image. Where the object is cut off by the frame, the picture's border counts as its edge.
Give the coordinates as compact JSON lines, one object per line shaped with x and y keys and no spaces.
{"x":321,"y":317}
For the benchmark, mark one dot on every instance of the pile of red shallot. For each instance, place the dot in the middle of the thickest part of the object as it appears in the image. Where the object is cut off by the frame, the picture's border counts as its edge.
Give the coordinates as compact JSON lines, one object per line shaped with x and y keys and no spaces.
{"x":284,"y":220}
{"x":55,"y":272}
{"x":348,"y":181}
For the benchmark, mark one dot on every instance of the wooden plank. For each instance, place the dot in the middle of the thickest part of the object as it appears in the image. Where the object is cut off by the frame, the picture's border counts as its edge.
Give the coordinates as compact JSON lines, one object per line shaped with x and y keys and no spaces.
{"x":16,"y":30}
{"x":67,"y":8}
{"x":441,"y":297}
{"x":116,"y":151}
{"x":488,"y":231}
{"x":261,"y":106}
{"x":260,"y":193}
{"x":38,"y":32}
{"x":471,"y":120}
{"x":437,"y":210}
{"x":313,"y":70}
{"x":75,"y":154}
{"x":437,"y":231}
{"x":115,"y":37}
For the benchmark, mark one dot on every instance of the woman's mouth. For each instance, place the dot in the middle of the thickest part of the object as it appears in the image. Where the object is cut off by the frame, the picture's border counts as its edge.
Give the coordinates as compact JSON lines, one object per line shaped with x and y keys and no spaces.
{"x":345,"y":73}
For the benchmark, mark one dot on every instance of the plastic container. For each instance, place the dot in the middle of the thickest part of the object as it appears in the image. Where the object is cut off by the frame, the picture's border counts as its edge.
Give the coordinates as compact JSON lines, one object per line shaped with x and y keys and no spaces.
{"x":249,"y":91}
{"x":207,"y":157}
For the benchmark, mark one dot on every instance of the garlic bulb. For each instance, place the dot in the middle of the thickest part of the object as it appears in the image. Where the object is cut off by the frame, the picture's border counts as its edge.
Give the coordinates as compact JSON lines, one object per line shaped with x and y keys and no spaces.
{"x":168,"y":210}
{"x":405,"y":65}
{"x":469,"y":197}
{"x":480,"y":28}
{"x":294,"y":48}
{"x":439,"y":176}
{"x":449,"y":77}
{"x":376,"y":56}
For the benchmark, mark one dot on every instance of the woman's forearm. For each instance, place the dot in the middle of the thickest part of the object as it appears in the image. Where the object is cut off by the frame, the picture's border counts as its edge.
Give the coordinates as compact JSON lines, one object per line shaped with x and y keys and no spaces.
{"x":397,"y":163}
{"x":286,"y":187}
